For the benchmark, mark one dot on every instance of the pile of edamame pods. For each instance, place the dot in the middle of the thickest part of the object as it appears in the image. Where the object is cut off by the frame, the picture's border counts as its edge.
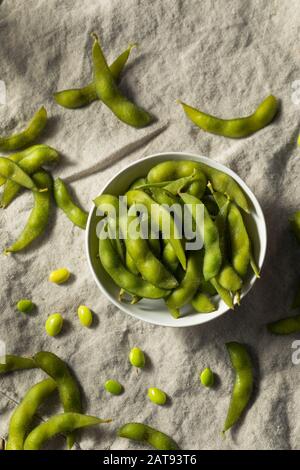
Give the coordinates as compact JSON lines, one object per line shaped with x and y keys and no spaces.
{"x":161,"y":266}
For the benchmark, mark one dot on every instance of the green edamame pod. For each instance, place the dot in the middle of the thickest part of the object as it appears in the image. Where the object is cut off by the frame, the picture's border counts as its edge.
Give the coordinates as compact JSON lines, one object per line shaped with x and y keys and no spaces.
{"x":38,"y":219}
{"x":202,"y":303}
{"x":137,"y":183}
{"x":25,"y":411}
{"x":223,"y":293}
{"x":285,"y":326}
{"x":229,"y":279}
{"x":11,"y":171}
{"x":10,"y":363}
{"x":169,"y":257}
{"x":29,"y":135}
{"x":151,"y":269}
{"x":212,"y":253}
{"x":295,"y":224}
{"x":64,"y":201}
{"x":122,"y":277}
{"x":160,"y":215}
{"x":242,"y":390}
{"x":176,"y":186}
{"x":110,"y":95}
{"x":58,"y":424}
{"x":189,"y":285}
{"x":240,"y":243}
{"x":68,"y":389}
{"x":32,"y":161}
{"x":143,"y":433}
{"x":78,"y":97}
{"x":130,"y":264}
{"x":222,"y":182}
{"x":234,"y":128}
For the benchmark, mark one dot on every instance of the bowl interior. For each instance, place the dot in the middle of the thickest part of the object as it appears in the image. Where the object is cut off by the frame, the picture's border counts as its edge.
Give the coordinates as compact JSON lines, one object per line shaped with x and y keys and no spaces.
{"x":155,"y":311}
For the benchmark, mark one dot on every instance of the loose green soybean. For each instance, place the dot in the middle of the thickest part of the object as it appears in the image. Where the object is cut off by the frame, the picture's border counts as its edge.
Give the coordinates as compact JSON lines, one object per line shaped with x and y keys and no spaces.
{"x":137,"y":358}
{"x":285,"y":326}
{"x":234,"y":128}
{"x":25,"y":305}
{"x":157,"y":396}
{"x":145,"y":434}
{"x":29,"y":135}
{"x":59,"y":424}
{"x":114,"y":387}
{"x":64,"y":201}
{"x":32,"y":161}
{"x":207,"y":377}
{"x":25,"y":411}
{"x":85,"y":315}
{"x":79,"y":97}
{"x":54,"y":324}
{"x":11,"y":363}
{"x":109,"y":94}
{"x":67,"y":385}
{"x":59,"y":276}
{"x":39,"y":216}
{"x":242,"y":390}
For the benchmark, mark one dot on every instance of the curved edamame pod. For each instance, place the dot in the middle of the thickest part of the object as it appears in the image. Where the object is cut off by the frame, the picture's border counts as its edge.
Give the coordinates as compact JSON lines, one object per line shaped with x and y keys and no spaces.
{"x":63,"y":423}
{"x":202,"y":303}
{"x":285,"y":326}
{"x":11,"y":171}
{"x":240,"y":243}
{"x":223,"y":293}
{"x":160,"y":214}
{"x":234,"y":128}
{"x":64,"y":201}
{"x":122,"y":277}
{"x":222,"y":182}
{"x":143,"y":433}
{"x":242,"y":390}
{"x":13,"y":363}
{"x":25,"y":411}
{"x":188,"y":287}
{"x":79,"y":97}
{"x":110,"y":95}
{"x":68,"y":388}
{"x":29,"y":135}
{"x":212,"y":253}
{"x":32,"y":160}
{"x":39,"y":216}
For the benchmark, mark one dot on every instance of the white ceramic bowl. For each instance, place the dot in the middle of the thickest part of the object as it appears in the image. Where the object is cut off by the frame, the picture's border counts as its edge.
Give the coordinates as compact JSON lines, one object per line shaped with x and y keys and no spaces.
{"x":155,"y":311}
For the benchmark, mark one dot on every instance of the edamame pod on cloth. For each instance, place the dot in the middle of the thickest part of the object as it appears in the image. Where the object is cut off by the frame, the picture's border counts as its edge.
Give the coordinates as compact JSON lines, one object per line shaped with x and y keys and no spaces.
{"x":108,"y":92}
{"x":285,"y":326}
{"x":33,"y":159}
{"x":222,"y":182}
{"x":242,"y":390}
{"x":144,"y":433}
{"x":25,"y":411}
{"x":131,"y":283}
{"x":11,"y":171}
{"x":29,"y":135}
{"x":78,"y":97}
{"x":64,"y":201}
{"x":160,"y":215}
{"x":189,"y":285}
{"x":58,"y":424}
{"x":68,"y":388}
{"x":10,"y":363}
{"x":234,"y":128}
{"x":39,"y":217}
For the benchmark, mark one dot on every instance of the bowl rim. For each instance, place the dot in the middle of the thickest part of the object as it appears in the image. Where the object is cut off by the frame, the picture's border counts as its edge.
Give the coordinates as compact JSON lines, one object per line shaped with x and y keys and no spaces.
{"x":262,"y":233}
